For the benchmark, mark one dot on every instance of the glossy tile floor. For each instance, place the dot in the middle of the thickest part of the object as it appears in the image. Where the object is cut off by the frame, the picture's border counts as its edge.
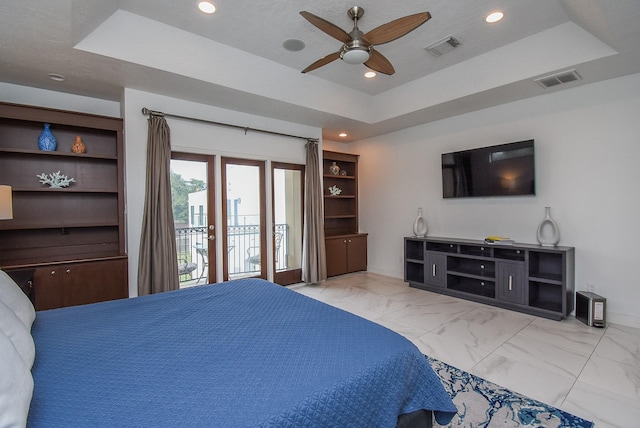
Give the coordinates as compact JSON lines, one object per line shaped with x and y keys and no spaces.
{"x":590,"y":372}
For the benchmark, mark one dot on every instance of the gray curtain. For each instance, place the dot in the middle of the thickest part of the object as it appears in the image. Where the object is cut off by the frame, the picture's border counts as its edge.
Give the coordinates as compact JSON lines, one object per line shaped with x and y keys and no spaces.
{"x":157,"y":265}
{"x":314,"y":263}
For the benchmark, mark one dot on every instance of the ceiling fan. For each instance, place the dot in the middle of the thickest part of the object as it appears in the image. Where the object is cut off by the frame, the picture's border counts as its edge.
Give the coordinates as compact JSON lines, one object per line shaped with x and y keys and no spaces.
{"x":357,"y":46}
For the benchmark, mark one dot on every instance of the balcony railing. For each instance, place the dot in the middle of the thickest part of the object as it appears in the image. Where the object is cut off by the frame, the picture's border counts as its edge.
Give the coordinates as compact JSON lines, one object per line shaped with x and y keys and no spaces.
{"x":243,"y":247}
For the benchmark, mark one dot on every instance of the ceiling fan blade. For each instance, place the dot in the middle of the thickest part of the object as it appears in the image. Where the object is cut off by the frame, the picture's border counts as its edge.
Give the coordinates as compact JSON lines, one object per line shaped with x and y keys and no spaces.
{"x":329,"y":28}
{"x":322,"y":61}
{"x":396,"y":29}
{"x":379,"y":63}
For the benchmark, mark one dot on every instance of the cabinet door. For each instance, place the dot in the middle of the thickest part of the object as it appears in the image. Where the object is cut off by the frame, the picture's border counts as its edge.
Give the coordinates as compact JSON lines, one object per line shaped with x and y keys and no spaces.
{"x":336,"y":249}
{"x":47,"y":285}
{"x":94,"y":282}
{"x":435,"y":269}
{"x":511,"y":282}
{"x":357,"y":253}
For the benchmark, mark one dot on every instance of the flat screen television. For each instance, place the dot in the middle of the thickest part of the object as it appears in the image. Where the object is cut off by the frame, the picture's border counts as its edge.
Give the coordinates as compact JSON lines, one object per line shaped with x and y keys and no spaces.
{"x":502,"y":170}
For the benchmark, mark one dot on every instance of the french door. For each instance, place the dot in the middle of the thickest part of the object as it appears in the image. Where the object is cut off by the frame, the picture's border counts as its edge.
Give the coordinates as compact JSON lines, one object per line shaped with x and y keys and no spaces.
{"x":193,"y":201}
{"x":244,"y":245}
{"x":288,"y":196}
{"x":243,"y":221}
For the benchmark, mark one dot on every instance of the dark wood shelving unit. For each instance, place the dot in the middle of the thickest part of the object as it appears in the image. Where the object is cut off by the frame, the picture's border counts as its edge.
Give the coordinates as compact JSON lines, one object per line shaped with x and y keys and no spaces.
{"x":71,"y":238}
{"x":346,"y":248}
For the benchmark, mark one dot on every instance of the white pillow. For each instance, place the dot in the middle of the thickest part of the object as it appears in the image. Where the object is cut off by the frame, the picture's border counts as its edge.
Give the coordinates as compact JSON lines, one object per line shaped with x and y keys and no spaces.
{"x":21,"y":338}
{"x":12,"y":296}
{"x":16,"y":386}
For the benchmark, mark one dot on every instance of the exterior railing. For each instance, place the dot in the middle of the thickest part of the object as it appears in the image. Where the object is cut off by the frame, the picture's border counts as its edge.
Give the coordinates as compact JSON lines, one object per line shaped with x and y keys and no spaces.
{"x":243,"y":247}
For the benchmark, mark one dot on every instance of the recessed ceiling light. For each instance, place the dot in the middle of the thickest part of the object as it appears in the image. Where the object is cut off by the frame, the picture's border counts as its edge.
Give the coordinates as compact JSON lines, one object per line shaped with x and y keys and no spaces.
{"x":494,"y":17}
{"x":370,"y":74}
{"x":57,"y":77}
{"x":206,"y":7}
{"x":342,"y":134}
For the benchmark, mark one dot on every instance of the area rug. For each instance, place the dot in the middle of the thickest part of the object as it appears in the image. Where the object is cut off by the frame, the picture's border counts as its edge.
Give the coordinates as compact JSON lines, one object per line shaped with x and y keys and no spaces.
{"x":482,"y":404}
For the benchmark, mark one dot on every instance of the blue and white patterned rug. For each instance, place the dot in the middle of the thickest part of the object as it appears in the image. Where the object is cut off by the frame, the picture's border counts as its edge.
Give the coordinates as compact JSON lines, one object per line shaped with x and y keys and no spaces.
{"x":482,"y":404}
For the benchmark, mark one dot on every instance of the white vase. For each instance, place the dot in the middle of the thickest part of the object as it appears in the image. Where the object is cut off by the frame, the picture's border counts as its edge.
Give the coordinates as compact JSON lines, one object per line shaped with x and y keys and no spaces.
{"x":420,"y":225}
{"x":548,"y":232}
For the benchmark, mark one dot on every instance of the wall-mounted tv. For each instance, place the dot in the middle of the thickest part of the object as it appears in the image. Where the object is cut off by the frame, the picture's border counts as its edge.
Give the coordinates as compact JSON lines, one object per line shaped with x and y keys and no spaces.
{"x":502,"y":170}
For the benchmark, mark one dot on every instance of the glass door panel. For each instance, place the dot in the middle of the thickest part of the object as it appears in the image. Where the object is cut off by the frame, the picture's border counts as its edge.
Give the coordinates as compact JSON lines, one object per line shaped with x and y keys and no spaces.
{"x":243,"y":198}
{"x":192,"y":196}
{"x":288,"y":196}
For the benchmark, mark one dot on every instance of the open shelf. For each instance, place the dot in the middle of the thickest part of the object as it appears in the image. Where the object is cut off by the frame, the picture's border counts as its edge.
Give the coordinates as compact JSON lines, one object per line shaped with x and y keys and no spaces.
{"x":480,"y":268}
{"x":480,"y":287}
{"x":414,"y":250}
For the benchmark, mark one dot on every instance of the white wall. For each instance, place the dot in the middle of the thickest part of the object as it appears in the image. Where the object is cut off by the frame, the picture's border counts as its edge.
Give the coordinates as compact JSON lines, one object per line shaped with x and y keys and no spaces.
{"x":194,"y":137}
{"x":588,"y":171}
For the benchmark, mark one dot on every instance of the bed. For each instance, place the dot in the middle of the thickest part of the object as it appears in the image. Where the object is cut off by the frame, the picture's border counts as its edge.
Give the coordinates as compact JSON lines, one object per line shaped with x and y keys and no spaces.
{"x":245,"y":353}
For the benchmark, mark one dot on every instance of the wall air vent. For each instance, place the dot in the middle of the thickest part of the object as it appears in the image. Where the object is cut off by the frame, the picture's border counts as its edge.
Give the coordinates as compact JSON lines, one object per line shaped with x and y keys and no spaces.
{"x":443,"y":46}
{"x":558,"y":78}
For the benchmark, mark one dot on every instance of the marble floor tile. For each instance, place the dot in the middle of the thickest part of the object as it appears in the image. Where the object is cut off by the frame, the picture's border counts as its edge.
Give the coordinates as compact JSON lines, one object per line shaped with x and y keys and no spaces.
{"x":528,"y":380}
{"x":612,"y":376}
{"x":407,"y":331}
{"x":430,"y":315}
{"x":605,"y":409}
{"x":621,"y":344}
{"x":543,"y":355}
{"x":476,"y":335}
{"x":497,"y":318}
{"x":568,"y":334}
{"x":448,"y":350}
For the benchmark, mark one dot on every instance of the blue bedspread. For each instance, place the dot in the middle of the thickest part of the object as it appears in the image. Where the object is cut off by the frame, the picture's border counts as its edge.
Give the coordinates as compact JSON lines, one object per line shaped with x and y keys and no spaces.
{"x":246,"y":353}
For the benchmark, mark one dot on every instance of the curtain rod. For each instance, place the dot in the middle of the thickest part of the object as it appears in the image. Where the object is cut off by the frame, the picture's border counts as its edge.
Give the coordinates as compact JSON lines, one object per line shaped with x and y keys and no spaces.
{"x":246,"y":129}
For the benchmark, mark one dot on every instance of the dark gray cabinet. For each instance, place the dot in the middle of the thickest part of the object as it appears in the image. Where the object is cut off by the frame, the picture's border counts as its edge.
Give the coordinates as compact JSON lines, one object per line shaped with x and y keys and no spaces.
{"x":510,"y":282}
{"x":523,"y":277}
{"x":436,"y":269}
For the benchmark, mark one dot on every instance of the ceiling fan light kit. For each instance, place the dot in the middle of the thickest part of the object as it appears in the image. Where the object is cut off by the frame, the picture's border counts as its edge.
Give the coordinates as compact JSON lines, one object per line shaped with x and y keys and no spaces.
{"x":355,"y":56}
{"x":357,"y":47}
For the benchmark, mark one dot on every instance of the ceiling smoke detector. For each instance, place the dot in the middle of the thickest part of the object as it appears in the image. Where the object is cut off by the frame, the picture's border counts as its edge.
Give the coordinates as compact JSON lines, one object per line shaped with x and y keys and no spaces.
{"x":558,"y":78}
{"x":443,"y":46}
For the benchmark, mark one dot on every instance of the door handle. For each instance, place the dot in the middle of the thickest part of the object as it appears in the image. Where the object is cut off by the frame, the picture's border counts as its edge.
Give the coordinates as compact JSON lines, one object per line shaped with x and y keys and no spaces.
{"x":211,"y":237}
{"x":510,"y":283}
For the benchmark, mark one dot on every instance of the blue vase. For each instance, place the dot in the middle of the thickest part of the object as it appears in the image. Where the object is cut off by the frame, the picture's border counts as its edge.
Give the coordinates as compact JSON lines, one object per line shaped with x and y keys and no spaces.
{"x":46,"y":141}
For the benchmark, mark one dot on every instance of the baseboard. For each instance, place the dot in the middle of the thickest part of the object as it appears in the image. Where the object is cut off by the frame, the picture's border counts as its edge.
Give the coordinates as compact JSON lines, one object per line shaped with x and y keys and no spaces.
{"x":385,"y":272}
{"x":623,"y":319}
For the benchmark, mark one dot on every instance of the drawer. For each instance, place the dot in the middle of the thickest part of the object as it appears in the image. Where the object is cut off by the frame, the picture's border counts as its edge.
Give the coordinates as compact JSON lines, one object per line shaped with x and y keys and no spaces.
{"x":509,"y":254}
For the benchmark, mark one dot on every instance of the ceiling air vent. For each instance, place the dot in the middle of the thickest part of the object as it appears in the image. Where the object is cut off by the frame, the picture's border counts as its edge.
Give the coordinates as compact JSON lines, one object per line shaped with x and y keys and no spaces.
{"x":558,"y":78}
{"x":443,"y":46}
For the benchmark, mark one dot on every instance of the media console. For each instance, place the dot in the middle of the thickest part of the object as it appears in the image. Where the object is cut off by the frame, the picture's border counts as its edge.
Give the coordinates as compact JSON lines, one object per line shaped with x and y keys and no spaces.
{"x":527,"y":278}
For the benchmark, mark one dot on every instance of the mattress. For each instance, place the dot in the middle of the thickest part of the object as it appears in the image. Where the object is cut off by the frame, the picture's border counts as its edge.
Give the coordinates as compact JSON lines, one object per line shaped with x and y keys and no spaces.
{"x":245,"y":353}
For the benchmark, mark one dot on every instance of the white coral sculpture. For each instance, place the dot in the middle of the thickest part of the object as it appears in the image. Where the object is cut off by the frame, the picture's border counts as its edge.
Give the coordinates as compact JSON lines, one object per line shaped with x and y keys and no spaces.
{"x":55,"y":180}
{"x":334,"y":190}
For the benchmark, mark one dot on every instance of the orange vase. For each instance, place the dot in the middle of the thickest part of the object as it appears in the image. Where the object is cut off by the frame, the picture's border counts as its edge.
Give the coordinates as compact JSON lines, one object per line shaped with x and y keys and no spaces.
{"x":78,"y":146}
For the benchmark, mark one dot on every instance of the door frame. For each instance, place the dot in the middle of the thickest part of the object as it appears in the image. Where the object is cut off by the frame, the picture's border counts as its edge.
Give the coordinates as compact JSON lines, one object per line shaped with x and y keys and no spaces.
{"x":292,"y":276}
{"x":211,"y":208}
{"x":224,"y":161}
